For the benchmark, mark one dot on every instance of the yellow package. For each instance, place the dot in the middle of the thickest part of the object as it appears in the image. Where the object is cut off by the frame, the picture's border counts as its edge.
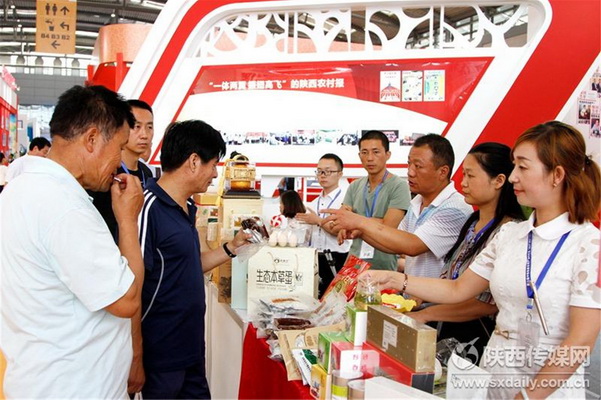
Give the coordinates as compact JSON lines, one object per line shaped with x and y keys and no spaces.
{"x":398,"y":302}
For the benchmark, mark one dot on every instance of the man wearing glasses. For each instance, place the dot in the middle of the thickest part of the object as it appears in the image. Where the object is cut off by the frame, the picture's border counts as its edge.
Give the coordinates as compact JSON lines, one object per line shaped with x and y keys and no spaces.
{"x":380,"y":195}
{"x":331,"y":255}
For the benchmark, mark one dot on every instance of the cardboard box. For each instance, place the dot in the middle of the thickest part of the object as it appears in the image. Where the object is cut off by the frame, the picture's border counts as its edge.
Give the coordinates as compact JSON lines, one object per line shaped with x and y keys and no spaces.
{"x":348,"y":358}
{"x":324,"y":348}
{"x":321,"y":383}
{"x":224,"y":282}
{"x":357,"y":327}
{"x":406,"y":340}
{"x":384,"y":365}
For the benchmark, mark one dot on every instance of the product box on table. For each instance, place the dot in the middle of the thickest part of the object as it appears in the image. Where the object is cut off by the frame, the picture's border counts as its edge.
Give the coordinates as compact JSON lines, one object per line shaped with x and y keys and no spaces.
{"x":348,"y":358}
{"x":303,"y":339}
{"x":357,"y":325}
{"x":321,"y":383}
{"x":384,"y":365}
{"x":324,"y":348}
{"x":406,"y":340}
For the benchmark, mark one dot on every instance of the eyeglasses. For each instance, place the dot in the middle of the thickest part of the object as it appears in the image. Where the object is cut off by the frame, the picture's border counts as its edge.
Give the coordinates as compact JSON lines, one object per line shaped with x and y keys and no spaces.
{"x":324,"y":172}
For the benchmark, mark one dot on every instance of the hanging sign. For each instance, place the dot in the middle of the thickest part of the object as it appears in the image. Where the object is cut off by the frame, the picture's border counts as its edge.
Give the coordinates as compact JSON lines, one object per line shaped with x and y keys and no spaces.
{"x":55,"y":26}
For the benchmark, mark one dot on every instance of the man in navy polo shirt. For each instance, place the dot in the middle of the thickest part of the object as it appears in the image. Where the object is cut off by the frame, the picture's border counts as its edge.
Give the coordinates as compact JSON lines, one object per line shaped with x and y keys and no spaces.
{"x":173,"y":298}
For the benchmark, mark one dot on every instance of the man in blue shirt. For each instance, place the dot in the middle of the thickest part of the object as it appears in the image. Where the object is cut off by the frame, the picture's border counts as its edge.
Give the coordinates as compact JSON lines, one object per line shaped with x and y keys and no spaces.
{"x":173,"y":298}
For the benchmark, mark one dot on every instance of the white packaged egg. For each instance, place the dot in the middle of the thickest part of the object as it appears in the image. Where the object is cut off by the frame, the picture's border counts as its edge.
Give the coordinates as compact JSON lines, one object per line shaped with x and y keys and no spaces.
{"x":283,"y":238}
{"x":273,"y":239}
{"x":292,"y":240}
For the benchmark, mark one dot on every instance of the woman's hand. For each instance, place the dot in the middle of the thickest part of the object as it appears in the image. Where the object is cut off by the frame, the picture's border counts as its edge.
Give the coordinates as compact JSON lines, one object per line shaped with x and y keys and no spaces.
{"x":384,"y":279}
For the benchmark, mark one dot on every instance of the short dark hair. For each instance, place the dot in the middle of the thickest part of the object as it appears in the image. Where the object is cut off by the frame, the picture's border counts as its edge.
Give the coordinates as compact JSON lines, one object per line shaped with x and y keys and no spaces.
{"x":135,"y":103}
{"x":293,"y":204}
{"x":337,"y":160}
{"x":376,"y":135}
{"x":441,"y":149}
{"x":81,"y":107}
{"x":185,"y":138}
{"x":40,"y":143}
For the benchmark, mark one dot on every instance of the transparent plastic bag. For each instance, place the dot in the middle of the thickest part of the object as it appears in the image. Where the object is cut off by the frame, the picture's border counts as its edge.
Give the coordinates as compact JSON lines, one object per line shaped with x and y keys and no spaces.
{"x":444,"y":349}
{"x":259,"y":237}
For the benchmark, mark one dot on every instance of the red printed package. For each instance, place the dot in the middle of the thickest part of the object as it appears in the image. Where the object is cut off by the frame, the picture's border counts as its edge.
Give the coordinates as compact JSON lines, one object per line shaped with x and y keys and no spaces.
{"x":346,"y":279}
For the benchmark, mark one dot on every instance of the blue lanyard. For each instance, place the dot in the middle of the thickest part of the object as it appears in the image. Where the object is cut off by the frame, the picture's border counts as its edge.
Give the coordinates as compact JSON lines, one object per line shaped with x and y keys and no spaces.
{"x":141,"y":173}
{"x":369,"y":212}
{"x":543,"y":273}
{"x":322,"y":215}
{"x":470,"y":241}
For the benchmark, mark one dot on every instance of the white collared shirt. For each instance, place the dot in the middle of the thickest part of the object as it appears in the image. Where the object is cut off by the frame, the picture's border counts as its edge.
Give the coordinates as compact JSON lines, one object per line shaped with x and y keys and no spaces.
{"x":15,"y":168}
{"x":570,"y":281}
{"x":60,"y":268}
{"x":438,"y":226}
{"x":320,"y":239}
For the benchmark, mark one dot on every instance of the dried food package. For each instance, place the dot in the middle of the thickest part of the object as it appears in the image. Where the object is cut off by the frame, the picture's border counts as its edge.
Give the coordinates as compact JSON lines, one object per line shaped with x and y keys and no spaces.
{"x":345,"y":280}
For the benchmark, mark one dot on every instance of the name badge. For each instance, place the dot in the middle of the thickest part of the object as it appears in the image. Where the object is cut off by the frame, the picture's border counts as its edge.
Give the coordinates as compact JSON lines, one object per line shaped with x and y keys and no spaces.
{"x":367,"y":251}
{"x":528,"y":333}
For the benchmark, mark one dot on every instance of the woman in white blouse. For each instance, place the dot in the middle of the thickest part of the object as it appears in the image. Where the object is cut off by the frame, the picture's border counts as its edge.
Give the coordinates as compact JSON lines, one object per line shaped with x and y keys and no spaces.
{"x":529,"y":358}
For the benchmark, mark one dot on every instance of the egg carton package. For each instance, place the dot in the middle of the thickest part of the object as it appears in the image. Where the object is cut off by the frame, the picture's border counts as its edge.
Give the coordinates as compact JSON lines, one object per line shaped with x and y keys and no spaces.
{"x":299,"y":236}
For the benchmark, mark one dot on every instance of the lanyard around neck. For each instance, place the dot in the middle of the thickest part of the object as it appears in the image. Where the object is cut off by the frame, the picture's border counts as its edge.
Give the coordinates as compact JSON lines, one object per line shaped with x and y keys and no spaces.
{"x":543,"y":273}
{"x":482,"y":231}
{"x":128,"y":173}
{"x":322,"y":215}
{"x":369,"y":212}
{"x":470,"y":241}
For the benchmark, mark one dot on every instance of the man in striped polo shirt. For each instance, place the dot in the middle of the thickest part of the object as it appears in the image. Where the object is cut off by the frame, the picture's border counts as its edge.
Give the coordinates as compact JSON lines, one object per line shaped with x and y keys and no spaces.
{"x":434,"y":218}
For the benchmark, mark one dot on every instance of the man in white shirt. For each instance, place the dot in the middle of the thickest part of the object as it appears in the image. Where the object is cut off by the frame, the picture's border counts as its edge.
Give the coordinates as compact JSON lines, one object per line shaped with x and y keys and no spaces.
{"x":434,"y":218}
{"x":67,"y":290}
{"x":38,"y":147}
{"x":3,"y":169}
{"x":324,"y":238}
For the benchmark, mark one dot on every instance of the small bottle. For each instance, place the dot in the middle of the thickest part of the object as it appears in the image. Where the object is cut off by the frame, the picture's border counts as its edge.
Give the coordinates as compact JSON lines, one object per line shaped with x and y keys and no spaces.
{"x":367,"y":294}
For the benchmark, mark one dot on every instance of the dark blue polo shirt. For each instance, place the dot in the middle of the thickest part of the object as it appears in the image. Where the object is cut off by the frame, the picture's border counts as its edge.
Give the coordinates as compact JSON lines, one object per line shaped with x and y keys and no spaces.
{"x":173,"y":296}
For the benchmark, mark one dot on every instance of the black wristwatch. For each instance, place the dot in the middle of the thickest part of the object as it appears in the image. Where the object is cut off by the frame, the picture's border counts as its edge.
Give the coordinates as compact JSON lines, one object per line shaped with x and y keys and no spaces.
{"x":227,"y":251}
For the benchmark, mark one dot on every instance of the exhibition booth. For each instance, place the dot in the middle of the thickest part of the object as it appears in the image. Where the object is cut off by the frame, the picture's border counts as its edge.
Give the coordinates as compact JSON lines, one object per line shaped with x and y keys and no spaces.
{"x":282,"y":98}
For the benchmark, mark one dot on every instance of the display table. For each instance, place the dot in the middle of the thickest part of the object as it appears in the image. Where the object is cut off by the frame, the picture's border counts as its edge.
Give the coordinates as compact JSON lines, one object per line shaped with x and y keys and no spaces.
{"x":263,"y":378}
